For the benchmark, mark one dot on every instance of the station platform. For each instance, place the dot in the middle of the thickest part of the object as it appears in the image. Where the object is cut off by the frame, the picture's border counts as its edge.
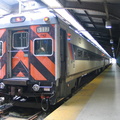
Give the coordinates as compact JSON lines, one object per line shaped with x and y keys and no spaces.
{"x":99,"y":100}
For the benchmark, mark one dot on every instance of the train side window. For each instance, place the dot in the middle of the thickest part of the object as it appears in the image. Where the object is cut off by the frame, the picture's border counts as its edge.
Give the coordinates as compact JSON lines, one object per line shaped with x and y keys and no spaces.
{"x":43,"y":47}
{"x":1,"y":47}
{"x":79,"y":53}
{"x":85,"y":55}
{"x":20,"y":40}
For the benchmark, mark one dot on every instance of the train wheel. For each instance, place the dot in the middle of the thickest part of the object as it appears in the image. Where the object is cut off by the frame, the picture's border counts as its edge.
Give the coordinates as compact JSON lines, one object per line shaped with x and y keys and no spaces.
{"x":45,"y":104}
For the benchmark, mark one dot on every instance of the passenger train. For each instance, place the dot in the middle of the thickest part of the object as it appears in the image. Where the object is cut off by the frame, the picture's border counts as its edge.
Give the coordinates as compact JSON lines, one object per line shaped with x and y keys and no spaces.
{"x":43,"y":58}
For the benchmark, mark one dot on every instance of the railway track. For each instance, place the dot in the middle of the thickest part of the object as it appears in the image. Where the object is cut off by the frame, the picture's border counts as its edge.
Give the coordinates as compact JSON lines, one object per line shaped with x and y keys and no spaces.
{"x":7,"y":112}
{"x":5,"y":108}
{"x":32,"y":117}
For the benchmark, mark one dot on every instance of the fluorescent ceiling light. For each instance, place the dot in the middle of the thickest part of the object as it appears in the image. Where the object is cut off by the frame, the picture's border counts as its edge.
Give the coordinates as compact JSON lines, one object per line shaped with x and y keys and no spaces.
{"x":111,"y":41}
{"x":108,"y":24}
{"x":112,"y":48}
{"x":59,"y":9}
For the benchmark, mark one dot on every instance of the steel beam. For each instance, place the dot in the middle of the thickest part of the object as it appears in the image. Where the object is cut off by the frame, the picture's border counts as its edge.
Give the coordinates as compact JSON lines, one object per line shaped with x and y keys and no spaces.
{"x":95,"y":6}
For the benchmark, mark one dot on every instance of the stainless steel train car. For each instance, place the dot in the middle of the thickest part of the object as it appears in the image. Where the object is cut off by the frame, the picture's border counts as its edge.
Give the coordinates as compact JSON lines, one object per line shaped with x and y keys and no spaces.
{"x":42,"y":58}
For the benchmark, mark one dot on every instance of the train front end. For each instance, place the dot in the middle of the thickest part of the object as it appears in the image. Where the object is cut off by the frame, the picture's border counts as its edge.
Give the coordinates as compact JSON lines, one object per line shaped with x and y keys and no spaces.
{"x":27,"y":60}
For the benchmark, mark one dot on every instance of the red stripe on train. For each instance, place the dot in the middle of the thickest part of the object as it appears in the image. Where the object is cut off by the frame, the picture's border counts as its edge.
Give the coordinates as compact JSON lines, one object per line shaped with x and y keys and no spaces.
{"x":47,"y":63}
{"x":2,"y":31}
{"x":2,"y":72}
{"x":19,"y":57}
{"x":36,"y":74}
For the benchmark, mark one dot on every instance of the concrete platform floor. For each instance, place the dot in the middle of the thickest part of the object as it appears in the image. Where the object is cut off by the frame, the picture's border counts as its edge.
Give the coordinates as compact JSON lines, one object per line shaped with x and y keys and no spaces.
{"x":99,"y":100}
{"x":104,"y":104}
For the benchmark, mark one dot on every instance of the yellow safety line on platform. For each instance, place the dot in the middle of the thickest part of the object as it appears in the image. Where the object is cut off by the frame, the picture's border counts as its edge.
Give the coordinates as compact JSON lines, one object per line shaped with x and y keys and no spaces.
{"x":70,"y":109}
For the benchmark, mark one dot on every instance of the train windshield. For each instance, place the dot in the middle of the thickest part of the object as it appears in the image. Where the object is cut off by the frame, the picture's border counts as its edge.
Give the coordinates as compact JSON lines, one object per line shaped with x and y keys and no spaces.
{"x":43,"y":47}
{"x":0,"y":48}
{"x":20,"y":40}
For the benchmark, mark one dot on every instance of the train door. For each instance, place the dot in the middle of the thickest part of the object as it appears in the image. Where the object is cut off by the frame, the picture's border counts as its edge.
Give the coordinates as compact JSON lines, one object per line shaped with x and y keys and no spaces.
{"x":19,"y":53}
{"x":63,"y":53}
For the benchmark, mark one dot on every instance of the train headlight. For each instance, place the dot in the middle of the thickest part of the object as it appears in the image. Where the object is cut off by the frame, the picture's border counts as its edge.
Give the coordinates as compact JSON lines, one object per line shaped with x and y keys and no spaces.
{"x":36,"y":87}
{"x":46,"y":19}
{"x":2,"y":85}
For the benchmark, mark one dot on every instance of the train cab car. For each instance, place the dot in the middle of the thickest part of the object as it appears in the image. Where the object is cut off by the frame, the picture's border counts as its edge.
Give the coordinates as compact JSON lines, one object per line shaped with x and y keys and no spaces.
{"x":42,"y":58}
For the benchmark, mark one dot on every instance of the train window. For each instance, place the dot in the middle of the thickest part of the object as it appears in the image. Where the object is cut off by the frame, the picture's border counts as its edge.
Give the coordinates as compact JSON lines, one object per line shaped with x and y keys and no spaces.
{"x":86,"y":55}
{"x":1,"y":48}
{"x":20,"y":40}
{"x":43,"y":47}
{"x":79,"y":53}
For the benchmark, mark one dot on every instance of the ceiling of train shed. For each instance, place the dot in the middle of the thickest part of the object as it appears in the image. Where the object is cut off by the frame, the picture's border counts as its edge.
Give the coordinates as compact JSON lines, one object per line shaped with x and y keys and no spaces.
{"x":91,"y":14}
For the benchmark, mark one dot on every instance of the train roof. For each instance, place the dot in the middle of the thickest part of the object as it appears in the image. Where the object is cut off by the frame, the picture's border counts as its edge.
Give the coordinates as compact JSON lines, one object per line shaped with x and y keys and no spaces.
{"x":30,"y":18}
